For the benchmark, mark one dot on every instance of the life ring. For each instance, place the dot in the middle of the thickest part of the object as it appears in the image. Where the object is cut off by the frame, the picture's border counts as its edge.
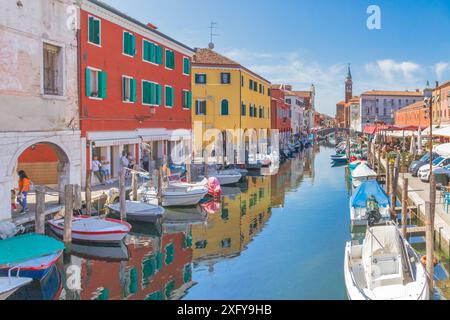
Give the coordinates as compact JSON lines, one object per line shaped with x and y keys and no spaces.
{"x":424,"y":261}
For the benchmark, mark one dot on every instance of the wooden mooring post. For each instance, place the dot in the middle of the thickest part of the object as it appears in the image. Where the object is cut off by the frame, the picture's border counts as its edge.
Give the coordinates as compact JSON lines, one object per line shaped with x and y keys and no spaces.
{"x":429,"y":236}
{"x":405,"y":208}
{"x":77,"y":202}
{"x":160,"y":186}
{"x":394,"y":179}
{"x":88,"y":192}
{"x":134,"y":185}
{"x":379,"y":161}
{"x":388,"y":178}
{"x":68,"y":214}
{"x":122,"y":195}
{"x":40,"y":210}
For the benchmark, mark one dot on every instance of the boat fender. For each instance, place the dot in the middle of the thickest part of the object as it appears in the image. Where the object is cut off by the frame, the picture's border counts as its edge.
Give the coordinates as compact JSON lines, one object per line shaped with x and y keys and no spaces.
{"x":424,"y":261}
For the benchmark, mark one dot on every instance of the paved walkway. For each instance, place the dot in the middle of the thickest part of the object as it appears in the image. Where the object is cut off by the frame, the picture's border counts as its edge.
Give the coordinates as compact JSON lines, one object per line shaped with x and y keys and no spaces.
{"x":419,"y":193}
{"x":52,"y":204}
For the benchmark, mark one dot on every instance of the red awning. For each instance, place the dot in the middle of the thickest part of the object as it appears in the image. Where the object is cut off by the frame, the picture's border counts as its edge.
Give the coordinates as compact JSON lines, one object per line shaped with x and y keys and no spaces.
{"x":370,"y":129}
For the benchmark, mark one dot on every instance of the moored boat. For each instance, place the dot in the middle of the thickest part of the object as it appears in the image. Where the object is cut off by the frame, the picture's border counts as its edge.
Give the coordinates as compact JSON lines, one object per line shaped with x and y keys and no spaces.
{"x":384,"y":267}
{"x":177,"y":194}
{"x":93,"y":229}
{"x":9,"y":285}
{"x":362,"y":173}
{"x":138,"y":211}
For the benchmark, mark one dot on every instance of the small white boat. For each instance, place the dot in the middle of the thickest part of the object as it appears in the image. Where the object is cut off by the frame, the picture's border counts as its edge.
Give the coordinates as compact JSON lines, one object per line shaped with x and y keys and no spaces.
{"x":93,"y":229}
{"x":9,"y":285}
{"x":362,"y":173}
{"x":138,"y":211}
{"x":226,"y":177}
{"x":175,"y":194}
{"x":384,"y":267}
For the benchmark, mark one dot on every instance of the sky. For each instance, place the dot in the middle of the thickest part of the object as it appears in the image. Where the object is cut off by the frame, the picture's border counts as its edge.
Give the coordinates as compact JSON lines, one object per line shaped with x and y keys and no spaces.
{"x":300,"y":42}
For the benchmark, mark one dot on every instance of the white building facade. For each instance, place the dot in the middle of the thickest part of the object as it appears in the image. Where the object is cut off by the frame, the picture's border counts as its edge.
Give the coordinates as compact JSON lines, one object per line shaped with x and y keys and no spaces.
{"x":380,"y":106}
{"x":39,"y":88}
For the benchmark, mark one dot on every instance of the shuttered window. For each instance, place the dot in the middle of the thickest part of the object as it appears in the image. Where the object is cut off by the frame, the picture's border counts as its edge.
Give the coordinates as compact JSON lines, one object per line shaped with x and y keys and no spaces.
{"x":187,"y":99}
{"x":94,"y":30}
{"x":170,"y":59}
{"x":224,"y":108}
{"x":151,"y":93}
{"x":200,"y":107}
{"x":95,"y":83}
{"x":170,"y":251}
{"x":243,"y":109}
{"x":186,"y":66}
{"x":128,"y":89}
{"x":129,"y":44}
{"x":151,"y":52}
{"x":169,"y":96}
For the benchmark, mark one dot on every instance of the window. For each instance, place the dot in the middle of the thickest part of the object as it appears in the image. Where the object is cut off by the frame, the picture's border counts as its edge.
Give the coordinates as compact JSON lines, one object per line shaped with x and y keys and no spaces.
{"x":129,"y":44}
{"x":243,"y":109}
{"x":169,"y":94}
{"x":151,"y":93}
{"x":200,"y":78}
{"x":128,"y":89}
{"x":260,"y":88}
{"x":95,"y":83}
{"x":226,"y":243}
{"x":202,"y":244}
{"x":187,"y":99}
{"x":94,"y":31}
{"x":255,"y":86}
{"x":288,"y":101}
{"x":242,"y":82}
{"x":224,"y":108}
{"x":186,"y":66}
{"x":200,"y":107}
{"x":250,"y":82}
{"x":225,"y":78}
{"x":151,"y":52}
{"x":170,"y":59}
{"x":170,"y":250}
{"x":53,"y":70}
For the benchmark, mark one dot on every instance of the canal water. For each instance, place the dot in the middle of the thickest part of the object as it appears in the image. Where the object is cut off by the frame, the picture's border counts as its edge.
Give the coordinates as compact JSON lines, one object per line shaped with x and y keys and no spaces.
{"x":270,"y":237}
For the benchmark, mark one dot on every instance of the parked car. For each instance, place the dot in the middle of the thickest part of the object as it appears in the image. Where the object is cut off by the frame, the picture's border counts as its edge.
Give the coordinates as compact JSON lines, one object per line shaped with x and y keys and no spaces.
{"x":439,"y":162}
{"x":417,"y":164}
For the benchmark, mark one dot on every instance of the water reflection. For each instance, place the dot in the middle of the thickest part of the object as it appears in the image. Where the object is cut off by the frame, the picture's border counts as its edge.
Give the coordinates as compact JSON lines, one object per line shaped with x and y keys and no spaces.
{"x":161,"y":261}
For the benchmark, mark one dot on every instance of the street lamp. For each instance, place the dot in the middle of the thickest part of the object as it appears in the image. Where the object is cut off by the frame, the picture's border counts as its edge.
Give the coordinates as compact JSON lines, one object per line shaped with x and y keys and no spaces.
{"x":428,"y":104}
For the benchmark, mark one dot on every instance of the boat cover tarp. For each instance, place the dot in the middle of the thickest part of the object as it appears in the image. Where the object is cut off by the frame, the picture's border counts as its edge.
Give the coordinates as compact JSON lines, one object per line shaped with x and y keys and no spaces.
{"x":136,"y":207}
{"x":365,"y":190}
{"x":362,"y":171}
{"x":26,"y":247}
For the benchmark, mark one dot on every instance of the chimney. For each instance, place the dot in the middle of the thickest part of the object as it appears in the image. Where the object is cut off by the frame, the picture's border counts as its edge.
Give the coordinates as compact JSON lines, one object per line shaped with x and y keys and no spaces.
{"x":437,"y":84}
{"x":152,"y":26}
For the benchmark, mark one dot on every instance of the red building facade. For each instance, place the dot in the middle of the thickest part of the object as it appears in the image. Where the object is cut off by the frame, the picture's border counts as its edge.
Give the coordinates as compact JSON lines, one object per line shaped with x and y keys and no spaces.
{"x":280,"y":113}
{"x":135,"y":87}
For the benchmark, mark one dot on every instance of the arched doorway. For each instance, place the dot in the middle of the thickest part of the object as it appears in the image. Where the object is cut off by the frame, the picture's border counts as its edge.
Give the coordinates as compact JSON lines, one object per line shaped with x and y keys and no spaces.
{"x":46,"y":163}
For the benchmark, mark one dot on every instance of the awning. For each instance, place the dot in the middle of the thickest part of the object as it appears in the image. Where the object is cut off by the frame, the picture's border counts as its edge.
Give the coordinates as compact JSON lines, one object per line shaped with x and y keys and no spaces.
{"x":443,"y":149}
{"x":113,"y":138}
{"x":443,"y":132}
{"x":369,"y":129}
{"x":151,"y":135}
{"x":180,"y":135}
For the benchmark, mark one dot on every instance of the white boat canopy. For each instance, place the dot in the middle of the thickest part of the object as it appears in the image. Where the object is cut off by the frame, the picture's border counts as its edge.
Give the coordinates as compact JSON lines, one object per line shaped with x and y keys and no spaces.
{"x":362,"y":171}
{"x":443,"y":149}
{"x":443,"y":132}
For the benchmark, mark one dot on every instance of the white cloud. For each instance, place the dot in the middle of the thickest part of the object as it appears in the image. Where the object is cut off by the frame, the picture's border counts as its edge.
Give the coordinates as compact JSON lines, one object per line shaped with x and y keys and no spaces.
{"x":393,"y":71}
{"x":441,"y":68}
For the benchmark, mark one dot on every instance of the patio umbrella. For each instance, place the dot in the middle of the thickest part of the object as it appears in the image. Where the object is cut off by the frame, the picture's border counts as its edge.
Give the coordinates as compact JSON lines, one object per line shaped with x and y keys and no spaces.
{"x":413,"y":149}
{"x":419,"y":142}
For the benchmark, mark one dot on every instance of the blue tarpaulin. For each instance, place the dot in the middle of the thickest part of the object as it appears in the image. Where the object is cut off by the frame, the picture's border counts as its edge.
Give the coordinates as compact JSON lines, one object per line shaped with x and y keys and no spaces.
{"x":367,"y":189}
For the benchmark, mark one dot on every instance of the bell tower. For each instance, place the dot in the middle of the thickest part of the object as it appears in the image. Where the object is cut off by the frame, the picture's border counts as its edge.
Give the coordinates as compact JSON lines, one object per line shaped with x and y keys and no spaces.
{"x":348,"y":85}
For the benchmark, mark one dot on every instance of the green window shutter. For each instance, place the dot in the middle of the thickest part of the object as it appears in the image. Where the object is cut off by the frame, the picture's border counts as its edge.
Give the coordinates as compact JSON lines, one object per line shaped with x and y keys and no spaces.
{"x":197,"y":107}
{"x":97,"y":31}
{"x":170,"y":250}
{"x":159,"y":54}
{"x":133,"y":90}
{"x":152,"y":93}
{"x":155,"y":296}
{"x":159,"y":261}
{"x":145,"y":93}
{"x":187,"y":273}
{"x":133,"y":45}
{"x":189,"y":99}
{"x":145,"y":51}
{"x":170,"y":286}
{"x":158,"y":94}
{"x":88,"y":82}
{"x":91,"y":29}
{"x":102,"y":84}
{"x":124,"y":88}
{"x":133,"y":287}
{"x":167,"y":59}
{"x":125,"y":42}
{"x":186,"y":66}
{"x":168,"y":97}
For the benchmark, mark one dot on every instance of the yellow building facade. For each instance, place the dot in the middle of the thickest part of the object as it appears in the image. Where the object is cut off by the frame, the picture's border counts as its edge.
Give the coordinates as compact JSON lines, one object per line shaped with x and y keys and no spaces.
{"x":228,"y":96}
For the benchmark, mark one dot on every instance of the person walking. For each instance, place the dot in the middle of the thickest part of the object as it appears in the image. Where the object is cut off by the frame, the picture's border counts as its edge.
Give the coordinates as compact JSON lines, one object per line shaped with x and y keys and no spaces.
{"x":96,"y":166}
{"x":146,"y":161}
{"x":24,"y":188}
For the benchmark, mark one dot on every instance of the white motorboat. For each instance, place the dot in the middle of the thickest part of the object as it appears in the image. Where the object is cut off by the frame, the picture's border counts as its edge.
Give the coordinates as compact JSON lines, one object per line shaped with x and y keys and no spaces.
{"x":384,"y":267}
{"x":138,"y":211}
{"x":358,"y":203}
{"x":9,"y":285}
{"x":226,"y":177}
{"x":175,"y":194}
{"x":362,"y":173}
{"x":93,"y":229}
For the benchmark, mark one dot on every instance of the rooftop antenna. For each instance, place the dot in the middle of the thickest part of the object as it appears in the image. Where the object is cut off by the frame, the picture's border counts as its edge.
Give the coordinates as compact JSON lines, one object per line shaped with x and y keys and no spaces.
{"x":212,"y":26}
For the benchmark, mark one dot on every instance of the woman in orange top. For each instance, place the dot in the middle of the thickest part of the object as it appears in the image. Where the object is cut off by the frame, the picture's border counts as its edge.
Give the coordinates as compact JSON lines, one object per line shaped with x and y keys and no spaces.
{"x":24,"y":188}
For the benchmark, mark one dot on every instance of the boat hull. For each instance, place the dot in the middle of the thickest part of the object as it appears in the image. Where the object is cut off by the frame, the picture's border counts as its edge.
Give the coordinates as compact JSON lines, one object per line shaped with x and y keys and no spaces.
{"x":10,"y":285}
{"x":228,"y":179}
{"x":106,"y":236}
{"x":35,"y":269}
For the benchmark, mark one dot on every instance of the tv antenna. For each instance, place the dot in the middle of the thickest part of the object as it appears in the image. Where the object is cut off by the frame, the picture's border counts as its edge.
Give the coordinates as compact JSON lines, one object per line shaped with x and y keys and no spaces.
{"x":212,"y":27}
